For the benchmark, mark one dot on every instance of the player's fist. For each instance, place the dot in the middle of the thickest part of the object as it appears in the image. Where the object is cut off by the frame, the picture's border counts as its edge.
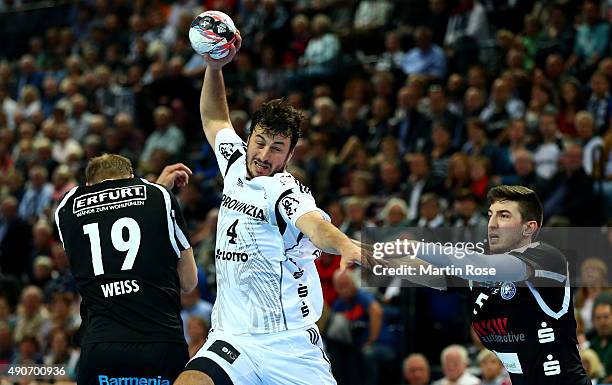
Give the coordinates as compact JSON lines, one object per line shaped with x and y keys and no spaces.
{"x":174,"y":175}
{"x":219,"y":63}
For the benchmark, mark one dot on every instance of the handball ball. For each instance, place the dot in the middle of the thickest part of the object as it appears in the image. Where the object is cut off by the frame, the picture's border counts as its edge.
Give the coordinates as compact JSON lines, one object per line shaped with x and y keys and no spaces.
{"x":212,"y":32}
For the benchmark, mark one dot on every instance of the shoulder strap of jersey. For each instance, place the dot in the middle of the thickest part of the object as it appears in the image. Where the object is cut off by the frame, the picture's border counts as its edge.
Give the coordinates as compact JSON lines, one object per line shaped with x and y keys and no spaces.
{"x":237,"y":154}
{"x":59,"y":207}
{"x":545,"y":308}
{"x":168,"y":207}
{"x":280,"y":221}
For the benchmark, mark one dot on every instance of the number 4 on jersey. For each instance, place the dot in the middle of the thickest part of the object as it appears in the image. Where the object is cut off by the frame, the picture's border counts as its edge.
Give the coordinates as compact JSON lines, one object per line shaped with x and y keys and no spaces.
{"x":231,"y":232}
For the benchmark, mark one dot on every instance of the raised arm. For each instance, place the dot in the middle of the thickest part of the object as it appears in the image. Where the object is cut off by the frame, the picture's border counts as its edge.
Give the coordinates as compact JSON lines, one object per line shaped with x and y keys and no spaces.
{"x":213,"y":99}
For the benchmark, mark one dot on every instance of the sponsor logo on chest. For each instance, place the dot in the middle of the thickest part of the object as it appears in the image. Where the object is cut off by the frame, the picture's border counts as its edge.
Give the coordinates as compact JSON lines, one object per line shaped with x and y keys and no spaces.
{"x":236,"y":205}
{"x":109,"y":197}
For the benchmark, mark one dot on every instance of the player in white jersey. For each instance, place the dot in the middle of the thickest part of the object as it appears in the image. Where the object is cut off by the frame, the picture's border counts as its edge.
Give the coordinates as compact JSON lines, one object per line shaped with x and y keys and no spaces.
{"x":269,"y":233}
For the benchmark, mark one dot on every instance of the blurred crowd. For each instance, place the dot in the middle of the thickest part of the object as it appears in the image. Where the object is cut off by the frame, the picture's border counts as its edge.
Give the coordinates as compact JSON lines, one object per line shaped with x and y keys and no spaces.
{"x":413,"y":110}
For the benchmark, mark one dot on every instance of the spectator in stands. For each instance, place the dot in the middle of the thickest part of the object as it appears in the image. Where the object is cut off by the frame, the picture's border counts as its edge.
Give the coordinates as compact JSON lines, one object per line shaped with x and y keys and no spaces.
{"x":420,"y":181}
{"x":524,"y":169}
{"x":479,"y":145}
{"x":322,"y":51}
{"x":42,"y":267}
{"x":416,"y":369}
{"x":197,"y":332}
{"x":455,"y":361}
{"x":166,"y":136}
{"x":458,"y":176}
{"x":29,"y":74}
{"x":194,"y":306}
{"x":430,"y":212}
{"x":502,"y":108}
{"x":62,"y":316}
{"x":571,"y":101}
{"x":29,"y":352}
{"x":7,"y":346}
{"x":394,"y":213}
{"x":411,"y":127}
{"x":37,"y":196}
{"x":365,"y":322}
{"x":64,"y":144}
{"x":491,"y":369}
{"x":469,"y":18}
{"x":391,"y":59}
{"x":79,"y":119}
{"x":548,"y":151}
{"x":593,"y":281}
{"x":51,"y":95}
{"x":466,"y":211}
{"x":570,"y":192}
{"x":600,"y":343}
{"x":29,"y":102}
{"x":591,"y":40}
{"x":8,"y":106}
{"x":600,"y":102}
{"x":480,"y":170}
{"x":592,"y":143}
{"x":441,"y":148}
{"x":426,"y":58}
{"x":61,"y":353}
{"x":390,"y":176}
{"x":541,"y":99}
{"x":372,"y":14}
{"x":31,"y":315}
{"x":439,"y":111}
{"x":473,"y":103}
{"x":15,"y":239}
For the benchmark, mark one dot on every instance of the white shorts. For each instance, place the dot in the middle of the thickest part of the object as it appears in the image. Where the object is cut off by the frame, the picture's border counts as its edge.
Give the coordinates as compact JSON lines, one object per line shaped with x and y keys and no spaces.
{"x":288,"y":357}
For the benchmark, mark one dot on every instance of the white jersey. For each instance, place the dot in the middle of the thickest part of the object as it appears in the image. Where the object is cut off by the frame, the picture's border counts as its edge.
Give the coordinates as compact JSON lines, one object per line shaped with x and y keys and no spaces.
{"x":266,"y":277}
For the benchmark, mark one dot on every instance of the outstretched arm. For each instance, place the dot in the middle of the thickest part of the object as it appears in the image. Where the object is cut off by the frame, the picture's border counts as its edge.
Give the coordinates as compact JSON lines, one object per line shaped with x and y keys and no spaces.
{"x":213,"y":99}
{"x":507,"y":266}
{"x":328,"y":238}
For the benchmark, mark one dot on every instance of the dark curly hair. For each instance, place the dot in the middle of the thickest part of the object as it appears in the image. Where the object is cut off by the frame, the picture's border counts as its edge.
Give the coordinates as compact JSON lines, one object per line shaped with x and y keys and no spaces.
{"x":278,"y":117}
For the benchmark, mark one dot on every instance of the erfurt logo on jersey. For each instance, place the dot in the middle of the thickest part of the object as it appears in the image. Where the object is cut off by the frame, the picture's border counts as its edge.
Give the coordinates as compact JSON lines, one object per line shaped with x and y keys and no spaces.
{"x":241,"y":207}
{"x":496,"y":330}
{"x":110,"y":199}
{"x":508,"y":290}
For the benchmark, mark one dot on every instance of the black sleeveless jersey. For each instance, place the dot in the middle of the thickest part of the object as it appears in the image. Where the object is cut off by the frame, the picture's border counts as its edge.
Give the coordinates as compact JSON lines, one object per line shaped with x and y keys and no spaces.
{"x":530,"y":325}
{"x":123,"y":239}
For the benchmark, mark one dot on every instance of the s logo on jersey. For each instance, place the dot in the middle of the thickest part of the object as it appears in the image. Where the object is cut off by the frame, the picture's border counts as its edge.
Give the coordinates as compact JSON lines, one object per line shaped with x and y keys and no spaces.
{"x":508,"y":290}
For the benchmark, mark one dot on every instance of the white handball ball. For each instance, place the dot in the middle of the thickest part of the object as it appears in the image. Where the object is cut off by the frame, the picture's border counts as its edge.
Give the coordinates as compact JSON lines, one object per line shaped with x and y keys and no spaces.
{"x":212,"y":32}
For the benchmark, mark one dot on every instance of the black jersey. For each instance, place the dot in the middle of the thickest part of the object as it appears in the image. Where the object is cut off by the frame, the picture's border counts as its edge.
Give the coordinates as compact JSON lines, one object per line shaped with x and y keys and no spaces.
{"x":123,"y":239}
{"x":530,"y":325}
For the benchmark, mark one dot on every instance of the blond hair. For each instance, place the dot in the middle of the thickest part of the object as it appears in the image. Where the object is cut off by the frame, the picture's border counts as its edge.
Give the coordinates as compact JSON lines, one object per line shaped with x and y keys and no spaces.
{"x":596,"y":369}
{"x":108,"y":166}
